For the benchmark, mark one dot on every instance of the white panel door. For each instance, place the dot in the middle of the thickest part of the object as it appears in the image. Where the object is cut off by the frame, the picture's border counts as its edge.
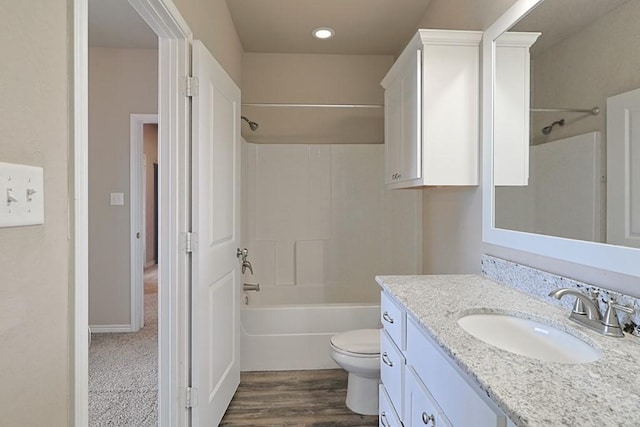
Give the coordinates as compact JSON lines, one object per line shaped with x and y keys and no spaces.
{"x":623,"y":169}
{"x":216,"y":229}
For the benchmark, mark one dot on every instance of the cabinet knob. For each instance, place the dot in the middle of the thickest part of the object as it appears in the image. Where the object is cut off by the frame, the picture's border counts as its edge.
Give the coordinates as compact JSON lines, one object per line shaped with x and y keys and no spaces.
{"x":386,"y":360}
{"x":386,"y":317}
{"x":383,"y":419}
{"x":428,"y":419}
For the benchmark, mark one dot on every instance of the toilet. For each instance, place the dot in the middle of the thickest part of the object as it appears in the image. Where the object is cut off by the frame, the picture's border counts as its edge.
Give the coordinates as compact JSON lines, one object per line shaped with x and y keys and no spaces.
{"x":358,"y":353}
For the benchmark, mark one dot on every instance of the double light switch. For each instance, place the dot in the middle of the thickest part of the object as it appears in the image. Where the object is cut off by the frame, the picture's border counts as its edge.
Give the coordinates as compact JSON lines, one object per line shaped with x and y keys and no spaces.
{"x":21,"y":195}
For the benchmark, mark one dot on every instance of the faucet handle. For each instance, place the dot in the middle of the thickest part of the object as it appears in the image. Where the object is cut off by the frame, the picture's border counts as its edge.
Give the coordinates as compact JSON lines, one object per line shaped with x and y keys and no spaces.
{"x":610,"y":320}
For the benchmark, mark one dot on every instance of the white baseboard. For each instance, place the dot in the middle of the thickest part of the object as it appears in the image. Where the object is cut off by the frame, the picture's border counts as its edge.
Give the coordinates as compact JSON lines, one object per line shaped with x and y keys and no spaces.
{"x":98,"y":329}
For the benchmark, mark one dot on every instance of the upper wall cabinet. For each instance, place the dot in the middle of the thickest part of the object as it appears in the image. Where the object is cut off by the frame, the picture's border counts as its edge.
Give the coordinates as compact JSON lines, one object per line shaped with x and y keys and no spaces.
{"x":431,"y":111}
{"x":511,"y":108}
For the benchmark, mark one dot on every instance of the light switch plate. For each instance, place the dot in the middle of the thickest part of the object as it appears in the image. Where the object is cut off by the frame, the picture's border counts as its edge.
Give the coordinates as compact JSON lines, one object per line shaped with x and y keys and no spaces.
{"x":117,"y":199}
{"x":21,"y":195}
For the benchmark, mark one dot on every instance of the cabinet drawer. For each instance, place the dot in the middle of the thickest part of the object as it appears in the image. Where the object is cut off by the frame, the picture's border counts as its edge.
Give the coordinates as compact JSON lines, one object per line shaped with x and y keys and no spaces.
{"x":391,"y":369}
{"x":388,"y":416}
{"x":459,"y":401}
{"x":393,"y":320}
{"x":420,"y":408}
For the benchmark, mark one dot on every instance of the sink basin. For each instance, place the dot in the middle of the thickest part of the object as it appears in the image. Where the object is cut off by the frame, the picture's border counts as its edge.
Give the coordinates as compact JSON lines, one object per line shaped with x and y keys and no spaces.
{"x":528,"y":338}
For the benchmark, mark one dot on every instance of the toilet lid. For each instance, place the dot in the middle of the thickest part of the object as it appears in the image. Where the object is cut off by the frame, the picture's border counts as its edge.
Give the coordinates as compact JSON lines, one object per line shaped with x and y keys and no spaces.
{"x":362,"y":341}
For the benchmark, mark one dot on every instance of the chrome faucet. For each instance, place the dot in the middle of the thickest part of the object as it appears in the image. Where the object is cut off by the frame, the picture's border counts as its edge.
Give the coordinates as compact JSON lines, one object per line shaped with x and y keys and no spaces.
{"x":587,"y":313}
{"x":246,"y":264}
{"x":243,"y":253}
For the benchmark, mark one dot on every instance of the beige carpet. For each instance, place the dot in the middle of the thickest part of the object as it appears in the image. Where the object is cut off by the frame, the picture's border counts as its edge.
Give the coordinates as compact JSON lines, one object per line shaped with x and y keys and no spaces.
{"x":123,"y":371}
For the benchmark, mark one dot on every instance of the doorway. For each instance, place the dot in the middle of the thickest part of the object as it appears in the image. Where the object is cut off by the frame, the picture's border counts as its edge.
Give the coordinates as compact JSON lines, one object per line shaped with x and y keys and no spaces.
{"x":173,"y":60}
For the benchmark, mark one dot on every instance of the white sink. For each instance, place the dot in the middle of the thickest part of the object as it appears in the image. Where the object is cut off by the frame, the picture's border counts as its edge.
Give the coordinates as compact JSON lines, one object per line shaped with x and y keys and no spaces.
{"x":528,"y":338}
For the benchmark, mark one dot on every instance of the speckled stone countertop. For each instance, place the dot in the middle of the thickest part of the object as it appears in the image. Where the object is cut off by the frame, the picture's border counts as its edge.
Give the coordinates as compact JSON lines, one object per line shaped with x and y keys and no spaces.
{"x":530,"y":392}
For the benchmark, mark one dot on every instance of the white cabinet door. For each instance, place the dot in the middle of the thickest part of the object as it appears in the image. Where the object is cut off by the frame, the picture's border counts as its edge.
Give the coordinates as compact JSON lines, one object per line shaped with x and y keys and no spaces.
{"x":623,"y":169}
{"x":216,"y":272}
{"x":403,"y":147}
{"x":420,"y":408}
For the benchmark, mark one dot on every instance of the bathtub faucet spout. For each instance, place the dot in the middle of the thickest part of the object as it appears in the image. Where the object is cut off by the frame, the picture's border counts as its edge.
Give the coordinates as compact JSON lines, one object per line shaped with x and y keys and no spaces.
{"x":251,"y":287}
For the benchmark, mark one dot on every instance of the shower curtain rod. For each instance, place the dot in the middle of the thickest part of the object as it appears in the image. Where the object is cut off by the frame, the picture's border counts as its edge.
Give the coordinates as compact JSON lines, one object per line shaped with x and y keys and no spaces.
{"x":313,"y":105}
{"x":593,"y":111}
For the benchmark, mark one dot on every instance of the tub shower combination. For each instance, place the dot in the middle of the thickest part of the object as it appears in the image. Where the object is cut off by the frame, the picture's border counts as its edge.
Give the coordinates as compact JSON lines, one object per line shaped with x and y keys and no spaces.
{"x":319,"y":225}
{"x":289,"y":337}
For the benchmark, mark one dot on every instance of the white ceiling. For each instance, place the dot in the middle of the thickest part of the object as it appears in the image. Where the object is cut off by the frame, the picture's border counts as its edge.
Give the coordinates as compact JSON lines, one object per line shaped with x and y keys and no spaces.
{"x":374,"y":27}
{"x":114,"y":23}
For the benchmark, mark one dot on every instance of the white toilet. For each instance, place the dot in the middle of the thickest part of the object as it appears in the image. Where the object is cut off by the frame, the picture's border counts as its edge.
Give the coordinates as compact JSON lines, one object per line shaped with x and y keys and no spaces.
{"x":358,"y":353}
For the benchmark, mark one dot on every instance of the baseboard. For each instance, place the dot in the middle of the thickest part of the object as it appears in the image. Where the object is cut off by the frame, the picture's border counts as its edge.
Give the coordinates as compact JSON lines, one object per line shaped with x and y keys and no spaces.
{"x":150,"y":263}
{"x":98,"y":329}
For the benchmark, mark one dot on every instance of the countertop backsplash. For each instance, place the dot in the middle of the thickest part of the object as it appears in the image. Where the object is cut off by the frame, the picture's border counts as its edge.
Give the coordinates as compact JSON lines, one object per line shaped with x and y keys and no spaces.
{"x":539,"y":283}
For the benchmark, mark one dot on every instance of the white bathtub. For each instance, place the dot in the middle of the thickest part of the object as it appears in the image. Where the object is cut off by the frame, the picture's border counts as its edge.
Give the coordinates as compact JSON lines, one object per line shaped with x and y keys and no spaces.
{"x":290,"y":337}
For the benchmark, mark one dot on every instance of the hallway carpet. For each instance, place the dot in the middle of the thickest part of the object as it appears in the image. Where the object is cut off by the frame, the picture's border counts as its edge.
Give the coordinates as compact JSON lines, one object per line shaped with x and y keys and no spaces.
{"x":123,"y":372}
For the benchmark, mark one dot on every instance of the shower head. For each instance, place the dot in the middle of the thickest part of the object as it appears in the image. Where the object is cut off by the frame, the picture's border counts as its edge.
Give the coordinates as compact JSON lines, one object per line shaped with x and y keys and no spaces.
{"x":252,"y":125}
{"x":547,"y":129}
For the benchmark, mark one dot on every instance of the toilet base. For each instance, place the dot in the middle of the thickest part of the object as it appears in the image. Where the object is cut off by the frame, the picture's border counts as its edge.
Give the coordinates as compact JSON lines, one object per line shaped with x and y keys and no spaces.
{"x":362,"y":395}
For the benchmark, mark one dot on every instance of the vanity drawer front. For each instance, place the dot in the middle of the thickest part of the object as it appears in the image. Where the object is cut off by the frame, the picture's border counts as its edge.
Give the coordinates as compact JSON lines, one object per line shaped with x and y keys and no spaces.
{"x":391,"y":369}
{"x":393,"y":320}
{"x":420,"y":407}
{"x":388,"y":416}
{"x":459,"y":401}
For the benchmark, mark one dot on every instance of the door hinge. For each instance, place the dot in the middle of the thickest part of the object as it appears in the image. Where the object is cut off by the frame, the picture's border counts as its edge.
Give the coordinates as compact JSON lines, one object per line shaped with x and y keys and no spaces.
{"x":192,"y":87}
{"x":191,"y":397}
{"x":188,"y":246}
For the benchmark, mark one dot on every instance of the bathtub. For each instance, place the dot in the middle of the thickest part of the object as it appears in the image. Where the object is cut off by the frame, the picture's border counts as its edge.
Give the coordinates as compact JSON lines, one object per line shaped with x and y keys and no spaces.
{"x":290,"y":337}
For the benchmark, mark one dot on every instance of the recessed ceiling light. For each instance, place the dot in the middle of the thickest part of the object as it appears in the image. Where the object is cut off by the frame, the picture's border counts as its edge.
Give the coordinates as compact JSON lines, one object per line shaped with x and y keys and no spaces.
{"x":323,"y":33}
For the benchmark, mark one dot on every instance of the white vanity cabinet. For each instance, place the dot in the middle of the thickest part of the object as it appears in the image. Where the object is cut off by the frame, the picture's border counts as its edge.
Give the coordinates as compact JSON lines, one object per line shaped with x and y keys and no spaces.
{"x":392,"y":362}
{"x":511,"y":108}
{"x":431,"y":111}
{"x":428,"y":388}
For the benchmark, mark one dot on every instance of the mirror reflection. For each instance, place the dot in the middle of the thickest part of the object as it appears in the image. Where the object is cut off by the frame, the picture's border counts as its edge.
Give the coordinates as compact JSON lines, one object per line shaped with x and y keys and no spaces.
{"x":577,"y":174}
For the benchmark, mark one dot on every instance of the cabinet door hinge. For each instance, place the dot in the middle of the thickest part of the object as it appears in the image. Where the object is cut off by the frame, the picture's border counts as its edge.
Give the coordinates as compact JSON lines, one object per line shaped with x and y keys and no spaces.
{"x":192,"y":87}
{"x":188,"y":244}
{"x":191,"y":397}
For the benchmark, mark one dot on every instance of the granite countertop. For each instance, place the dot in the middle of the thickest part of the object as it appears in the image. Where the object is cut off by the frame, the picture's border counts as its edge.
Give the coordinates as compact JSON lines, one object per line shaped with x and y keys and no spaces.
{"x":530,"y":392}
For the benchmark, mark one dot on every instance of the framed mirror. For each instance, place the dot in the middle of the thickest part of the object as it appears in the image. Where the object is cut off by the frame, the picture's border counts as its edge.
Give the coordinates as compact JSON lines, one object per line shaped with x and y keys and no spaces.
{"x":561,"y":164}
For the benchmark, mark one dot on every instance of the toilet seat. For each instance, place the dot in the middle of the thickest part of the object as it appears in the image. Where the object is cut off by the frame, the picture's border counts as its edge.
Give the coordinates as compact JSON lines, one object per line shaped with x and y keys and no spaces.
{"x":359,"y":343}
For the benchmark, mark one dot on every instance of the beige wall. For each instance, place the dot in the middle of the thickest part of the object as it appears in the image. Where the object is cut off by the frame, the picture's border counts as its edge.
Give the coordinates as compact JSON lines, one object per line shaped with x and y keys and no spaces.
{"x":121,"y":82}
{"x":463,"y":14}
{"x":210,"y":22}
{"x":304,"y":78}
{"x":150,"y":136}
{"x":34,"y":284}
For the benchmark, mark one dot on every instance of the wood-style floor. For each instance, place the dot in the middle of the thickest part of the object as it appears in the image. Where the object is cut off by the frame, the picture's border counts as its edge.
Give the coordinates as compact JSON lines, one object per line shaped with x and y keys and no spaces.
{"x":293,"y":398}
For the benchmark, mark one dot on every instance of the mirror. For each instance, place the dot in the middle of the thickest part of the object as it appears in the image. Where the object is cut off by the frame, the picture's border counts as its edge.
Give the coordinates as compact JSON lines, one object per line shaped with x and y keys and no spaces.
{"x":572,"y":206}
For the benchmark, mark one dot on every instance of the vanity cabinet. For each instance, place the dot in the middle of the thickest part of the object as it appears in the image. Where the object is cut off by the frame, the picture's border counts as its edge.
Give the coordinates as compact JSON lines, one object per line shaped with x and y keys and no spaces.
{"x":431,"y":111}
{"x":428,"y":388}
{"x":511,"y":108}
{"x":392,"y":362}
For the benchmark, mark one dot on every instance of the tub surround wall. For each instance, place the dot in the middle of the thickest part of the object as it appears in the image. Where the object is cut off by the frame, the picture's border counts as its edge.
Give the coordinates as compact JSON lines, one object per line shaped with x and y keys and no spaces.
{"x":539,"y":283}
{"x":318,"y":216}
